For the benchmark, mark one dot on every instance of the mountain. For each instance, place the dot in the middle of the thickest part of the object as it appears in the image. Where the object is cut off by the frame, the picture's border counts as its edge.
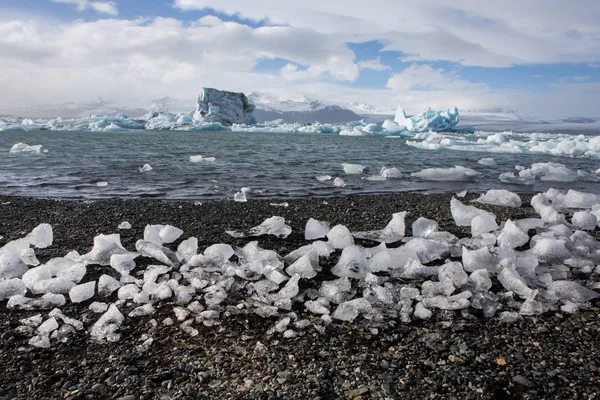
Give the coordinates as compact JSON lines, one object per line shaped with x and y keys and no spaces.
{"x":73,"y":110}
{"x":300,"y":109}
{"x":369,"y":109}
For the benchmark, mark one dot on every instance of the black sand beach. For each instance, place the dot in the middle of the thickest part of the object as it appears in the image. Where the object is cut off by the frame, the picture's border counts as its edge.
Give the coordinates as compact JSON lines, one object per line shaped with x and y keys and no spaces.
{"x":552,"y":356}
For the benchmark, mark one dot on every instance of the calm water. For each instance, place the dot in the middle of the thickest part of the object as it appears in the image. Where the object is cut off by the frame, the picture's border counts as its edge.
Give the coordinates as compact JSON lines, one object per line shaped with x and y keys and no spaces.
{"x":272,"y":165}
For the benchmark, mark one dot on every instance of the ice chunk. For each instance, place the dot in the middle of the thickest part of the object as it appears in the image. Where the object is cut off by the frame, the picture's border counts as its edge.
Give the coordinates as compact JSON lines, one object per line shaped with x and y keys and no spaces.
{"x":457,"y":302}
{"x":82,"y":292}
{"x":352,"y":263}
{"x":500,"y":197}
{"x":56,"y":313}
{"x":454,"y":273}
{"x":145,"y":168}
{"x":98,"y":307}
{"x":104,"y":247}
{"x":458,"y":173}
{"x":12,"y":287}
{"x":11,"y":266}
{"x":427,"y":250}
{"x":107,"y":325}
{"x":483,"y":223}
{"x":241,"y":195}
{"x":353,"y":169}
{"x":487,"y":161}
{"x":224,"y":107}
{"x":477,"y":259}
{"x":351,"y":309}
{"x":319,"y":306}
{"x":552,"y":250}
{"x":106,"y":285}
{"x":141,"y":311}
{"x":169,"y":234}
{"x":480,"y":279}
{"x":423,"y":227}
{"x":41,"y":236}
{"x":124,"y":225}
{"x":127,"y":292}
{"x":339,"y":182}
{"x":199,"y":158}
{"x":584,"y":220}
{"x":187,"y":249}
{"x":54,"y":285}
{"x":25,"y":148}
{"x":340,"y":237}
{"x":462,"y":214}
{"x":413,"y":269}
{"x":275,"y":226}
{"x":290,"y":290}
{"x":316,"y":229}
{"x":323,"y":178}
{"x":461,"y":194}
{"x":158,"y":252}
{"x":531,"y":307}
{"x":47,"y":326}
{"x":336,"y":290}
{"x":428,"y":120}
{"x":572,"y":291}
{"x":431,"y":288}
{"x":123,"y":263}
{"x":421,"y":312}
{"x":303,"y":267}
{"x":393,"y":232}
{"x":390,"y":172}
{"x":218,"y":253}
{"x":512,"y":281}
{"x":576,"y":199}
{"x":74,"y":273}
{"x":512,"y":236}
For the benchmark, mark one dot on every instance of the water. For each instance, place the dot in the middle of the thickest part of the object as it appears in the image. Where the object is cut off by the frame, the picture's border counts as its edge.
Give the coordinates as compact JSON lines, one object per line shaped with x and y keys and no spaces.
{"x":272,"y":165}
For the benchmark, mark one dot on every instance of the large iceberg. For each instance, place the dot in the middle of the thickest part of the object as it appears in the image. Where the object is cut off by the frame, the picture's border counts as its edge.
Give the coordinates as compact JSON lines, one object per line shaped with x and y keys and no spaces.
{"x":428,"y":120}
{"x":226,"y":108}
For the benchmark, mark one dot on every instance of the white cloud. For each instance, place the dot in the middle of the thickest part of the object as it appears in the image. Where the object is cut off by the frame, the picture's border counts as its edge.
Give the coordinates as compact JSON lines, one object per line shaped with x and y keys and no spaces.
{"x":375,"y":65}
{"x":424,"y":78}
{"x":103,"y":7}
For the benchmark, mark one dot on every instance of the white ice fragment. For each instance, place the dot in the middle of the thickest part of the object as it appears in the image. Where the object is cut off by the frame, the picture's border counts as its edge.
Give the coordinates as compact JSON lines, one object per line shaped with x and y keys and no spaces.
{"x":576,"y":199}
{"x":158,"y":252}
{"x":454,"y":273}
{"x":319,"y":306}
{"x":127,"y":292}
{"x":461,"y":194}
{"x":124,"y":225}
{"x":480,"y":279}
{"x":483,"y":223}
{"x":187,"y":249}
{"x":316,"y":229}
{"x":390,"y":172}
{"x":500,"y":197}
{"x":413,"y":269}
{"x":457,"y":302}
{"x":335,"y":290}
{"x":141,"y":311}
{"x":106,"y":285}
{"x":340,"y":237}
{"x":199,"y":158}
{"x":352,"y":263}
{"x":458,"y":173}
{"x":487,"y":161}
{"x":512,"y":236}
{"x":102,"y":184}
{"x":353,"y":169}
{"x":427,"y":250}
{"x":41,"y":236}
{"x":509,"y":317}
{"x":351,"y":309}
{"x":303,"y":267}
{"x":548,"y":213}
{"x":479,"y":258}
{"x":323,"y":248}
{"x":41,"y":341}
{"x":339,"y":182}
{"x":569,"y":307}
{"x":393,"y":232}
{"x":82,"y":292}
{"x":53,"y":285}
{"x":423,"y":227}
{"x":551,"y":250}
{"x":442,"y":288}
{"x":531,"y":307}
{"x":57,"y":313}
{"x":572,"y":291}
{"x":74,"y":273}
{"x":463,"y":214}
{"x":218,"y":253}
{"x":290,"y":290}
{"x":323,"y":178}
{"x":584,"y":220}
{"x":104,"y":247}
{"x":123,"y":263}
{"x":421,"y":312}
{"x":169,"y":234}
{"x":12,"y":287}
{"x":512,"y":281}
{"x":241,"y":195}
{"x":274,"y":225}
{"x":47,"y":326}
{"x":145,"y":168}
{"x":107,"y":325}
{"x":98,"y":307}
{"x":25,"y":148}
{"x":11,"y":266}
{"x":187,"y":328}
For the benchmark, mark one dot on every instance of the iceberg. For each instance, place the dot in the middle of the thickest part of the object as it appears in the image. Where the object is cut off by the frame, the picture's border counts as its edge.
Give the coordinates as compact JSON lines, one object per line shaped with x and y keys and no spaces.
{"x":428,"y":120}
{"x":24,"y":148}
{"x":226,"y":108}
{"x":458,"y":173}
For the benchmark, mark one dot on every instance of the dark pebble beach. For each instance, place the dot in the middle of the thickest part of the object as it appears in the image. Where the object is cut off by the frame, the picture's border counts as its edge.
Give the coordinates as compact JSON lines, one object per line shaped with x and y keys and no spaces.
{"x":552,"y":356}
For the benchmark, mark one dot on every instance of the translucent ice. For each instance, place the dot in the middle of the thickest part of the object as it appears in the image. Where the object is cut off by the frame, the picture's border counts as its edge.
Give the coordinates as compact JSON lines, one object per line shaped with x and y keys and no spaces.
{"x":12,"y":287}
{"x":241,"y":195}
{"x":393,"y":232}
{"x":290,"y":290}
{"x":336,"y":290}
{"x":512,"y":236}
{"x":169,"y":234}
{"x":421,"y":312}
{"x":500,"y":197}
{"x":423,"y":227}
{"x":104,"y":247}
{"x":413,"y":269}
{"x":316,"y":229}
{"x":576,"y":199}
{"x":457,"y":302}
{"x":47,"y":326}
{"x":323,"y":178}
{"x":458,"y":173}
{"x":427,"y":250}
{"x":123,"y":263}
{"x":487,"y":161}
{"x":141,"y":311}
{"x":353,"y":168}
{"x":82,"y":292}
{"x":584,"y":220}
{"x":350,"y":310}
{"x":480,"y":279}
{"x":11,"y":266}
{"x":339,"y":182}
{"x":483,"y":223}
{"x":106,"y":285}
{"x":552,"y":250}
{"x":24,"y":148}
{"x":531,"y":307}
{"x":463,"y":214}
{"x":390,"y":172}
{"x":145,"y":168}
{"x":512,"y":281}
{"x":340,"y":237}
{"x":454,"y":273}
{"x":54,"y":285}
{"x":319,"y":306}
{"x":303,"y":267}
{"x":477,"y":259}
{"x":41,"y":236}
{"x":199,"y":158}
{"x":158,"y":252}
{"x":275,"y":226}
{"x":572,"y":291}
{"x":107,"y":325}
{"x":352,"y":263}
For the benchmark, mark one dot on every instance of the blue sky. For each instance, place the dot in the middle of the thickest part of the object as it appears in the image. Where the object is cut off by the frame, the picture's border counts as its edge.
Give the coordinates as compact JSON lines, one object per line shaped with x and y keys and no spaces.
{"x":385,"y":53}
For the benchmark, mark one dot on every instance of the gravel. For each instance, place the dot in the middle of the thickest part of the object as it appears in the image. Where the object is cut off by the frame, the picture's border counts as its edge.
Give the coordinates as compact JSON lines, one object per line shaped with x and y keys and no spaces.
{"x":550,"y":356}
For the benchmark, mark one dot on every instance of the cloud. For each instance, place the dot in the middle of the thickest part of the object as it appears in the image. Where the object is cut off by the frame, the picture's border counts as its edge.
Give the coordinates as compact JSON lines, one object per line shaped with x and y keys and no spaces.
{"x":426,"y":78}
{"x":375,"y":65}
{"x":103,"y":7}
{"x":471,"y":33}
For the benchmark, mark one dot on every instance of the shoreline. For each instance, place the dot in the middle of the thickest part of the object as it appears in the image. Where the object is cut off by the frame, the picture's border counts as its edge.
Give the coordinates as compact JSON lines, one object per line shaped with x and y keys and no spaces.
{"x":552,"y":355}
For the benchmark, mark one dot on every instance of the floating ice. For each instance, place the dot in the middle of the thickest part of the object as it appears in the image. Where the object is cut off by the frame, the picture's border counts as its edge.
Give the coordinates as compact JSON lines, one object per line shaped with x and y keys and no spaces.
{"x":487,"y":161}
{"x":390,"y":172}
{"x":323,"y":178}
{"x":316,"y":229}
{"x":223,"y":107}
{"x":145,"y":168}
{"x":339,"y":182}
{"x":500,"y":197}
{"x":393,"y":232}
{"x":458,"y":173}
{"x":199,"y":158}
{"x":353,"y":169}
{"x":24,"y":148}
{"x":462,"y":214}
{"x":428,"y":120}
{"x":241,"y":195}
{"x":102,"y":184}
{"x":340,"y":237}
{"x":82,"y":292}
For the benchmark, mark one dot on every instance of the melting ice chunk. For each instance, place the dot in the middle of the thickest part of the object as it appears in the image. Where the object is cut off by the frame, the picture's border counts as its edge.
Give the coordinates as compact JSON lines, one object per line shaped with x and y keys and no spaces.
{"x":352,"y":263}
{"x":104,"y":247}
{"x":390,"y":172}
{"x":12,"y":287}
{"x":82,"y":292}
{"x":512,"y":281}
{"x":274,"y":225}
{"x":106,"y":285}
{"x":124,"y":225}
{"x":145,"y":168}
{"x":41,"y":236}
{"x":500,"y":197}
{"x":241,"y":195}
{"x":339,"y":182}
{"x":458,"y":173}
{"x":487,"y":161}
{"x":572,"y":291}
{"x":11,"y":266}
{"x":316,"y":229}
{"x":350,"y":310}
{"x":199,"y":158}
{"x":24,"y":148}
{"x":340,"y":237}
{"x":483,"y":223}
{"x":353,"y":169}
{"x":107,"y":325}
{"x":393,"y":232}
{"x":584,"y":220}
{"x":462,"y":214}
{"x":423,"y":227}
{"x":512,"y":236}
{"x":323,"y":178}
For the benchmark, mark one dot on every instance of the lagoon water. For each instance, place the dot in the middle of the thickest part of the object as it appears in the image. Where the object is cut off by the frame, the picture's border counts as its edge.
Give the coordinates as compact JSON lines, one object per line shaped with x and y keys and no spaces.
{"x":273,"y":165}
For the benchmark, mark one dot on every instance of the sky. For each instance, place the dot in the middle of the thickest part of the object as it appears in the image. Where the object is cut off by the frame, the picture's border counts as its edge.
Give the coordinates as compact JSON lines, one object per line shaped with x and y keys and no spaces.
{"x":537,"y":57}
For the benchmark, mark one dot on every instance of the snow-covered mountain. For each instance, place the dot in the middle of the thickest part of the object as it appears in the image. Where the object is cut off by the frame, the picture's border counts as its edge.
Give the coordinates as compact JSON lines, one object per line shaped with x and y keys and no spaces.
{"x":369,"y":109}
{"x":298,"y":109}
